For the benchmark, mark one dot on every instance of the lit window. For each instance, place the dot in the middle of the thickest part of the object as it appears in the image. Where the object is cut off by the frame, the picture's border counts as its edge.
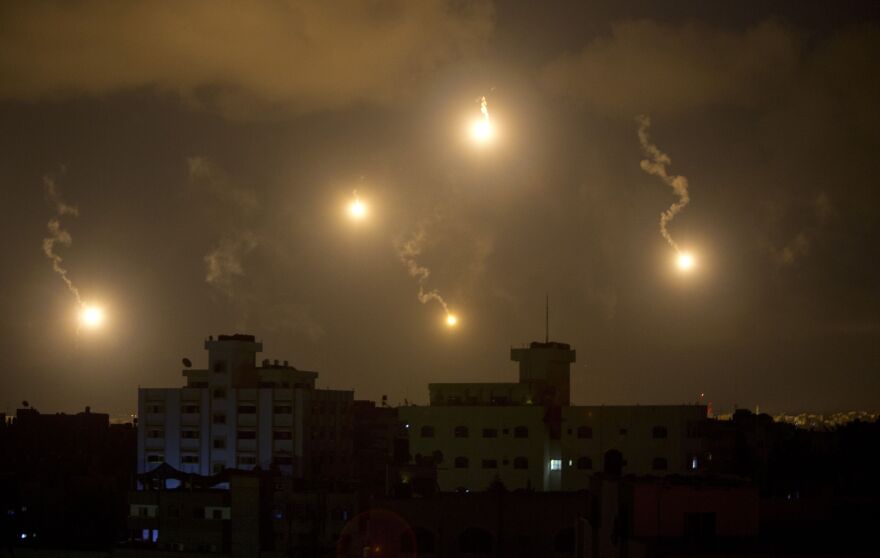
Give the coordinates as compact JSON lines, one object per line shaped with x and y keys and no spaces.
{"x":555,"y":464}
{"x":695,"y":464}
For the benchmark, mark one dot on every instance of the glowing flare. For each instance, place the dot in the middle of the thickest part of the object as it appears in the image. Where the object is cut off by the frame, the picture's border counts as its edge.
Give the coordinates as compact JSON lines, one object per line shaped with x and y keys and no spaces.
{"x":91,"y":316}
{"x":482,"y":129}
{"x":451,"y":320}
{"x":685,"y":261}
{"x":356,"y":209}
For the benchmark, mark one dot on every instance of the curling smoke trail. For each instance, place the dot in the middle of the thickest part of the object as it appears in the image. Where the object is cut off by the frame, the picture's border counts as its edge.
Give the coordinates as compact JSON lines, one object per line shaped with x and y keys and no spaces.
{"x":484,"y":108}
{"x":656,"y":165}
{"x":57,"y":235}
{"x":407,"y":253}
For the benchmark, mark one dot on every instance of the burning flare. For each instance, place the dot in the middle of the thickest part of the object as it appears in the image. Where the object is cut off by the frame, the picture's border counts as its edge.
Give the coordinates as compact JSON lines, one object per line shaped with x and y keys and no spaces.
{"x":482,"y":129}
{"x":356,"y":209}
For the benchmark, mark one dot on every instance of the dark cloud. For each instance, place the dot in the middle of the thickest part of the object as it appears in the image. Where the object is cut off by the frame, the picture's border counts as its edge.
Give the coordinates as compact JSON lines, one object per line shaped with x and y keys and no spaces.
{"x":239,"y":58}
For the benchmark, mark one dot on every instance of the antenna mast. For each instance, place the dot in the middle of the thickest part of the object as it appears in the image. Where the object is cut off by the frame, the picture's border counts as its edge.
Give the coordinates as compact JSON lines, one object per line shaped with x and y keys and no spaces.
{"x":546,"y":317}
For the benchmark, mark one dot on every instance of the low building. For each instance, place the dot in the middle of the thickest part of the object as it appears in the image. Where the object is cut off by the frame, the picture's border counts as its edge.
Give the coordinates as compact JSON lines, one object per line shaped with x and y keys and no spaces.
{"x":528,"y":435}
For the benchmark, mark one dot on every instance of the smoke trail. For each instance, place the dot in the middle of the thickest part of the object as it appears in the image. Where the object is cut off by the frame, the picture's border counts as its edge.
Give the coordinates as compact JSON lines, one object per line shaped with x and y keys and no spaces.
{"x":484,"y":108}
{"x":407,"y":252}
{"x":57,"y":235}
{"x":656,"y":165}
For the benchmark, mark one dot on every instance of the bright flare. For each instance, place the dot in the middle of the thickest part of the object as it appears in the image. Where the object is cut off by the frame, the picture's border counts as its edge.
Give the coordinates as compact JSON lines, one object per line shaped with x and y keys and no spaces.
{"x":91,"y":316}
{"x":685,"y":261}
{"x":356,"y":209}
{"x":451,"y":320}
{"x":482,"y":129}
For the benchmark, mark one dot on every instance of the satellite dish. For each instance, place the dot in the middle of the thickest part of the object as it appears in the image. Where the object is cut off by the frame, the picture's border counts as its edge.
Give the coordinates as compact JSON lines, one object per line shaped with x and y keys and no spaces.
{"x":187,"y":362}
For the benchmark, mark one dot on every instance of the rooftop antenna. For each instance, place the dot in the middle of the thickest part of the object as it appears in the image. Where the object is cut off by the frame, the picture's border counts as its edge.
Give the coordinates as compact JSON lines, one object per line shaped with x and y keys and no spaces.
{"x":546,"y":317}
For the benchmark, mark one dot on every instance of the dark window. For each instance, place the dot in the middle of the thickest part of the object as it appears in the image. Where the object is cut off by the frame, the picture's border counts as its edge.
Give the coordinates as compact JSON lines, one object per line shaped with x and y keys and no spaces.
{"x":474,"y":540}
{"x":461,"y":462}
{"x":585,"y":463}
{"x":218,"y":467}
{"x":284,"y":460}
{"x":520,"y":463}
{"x":219,"y":418}
{"x":622,"y":431}
{"x":659,"y":432}
{"x":190,"y":434}
{"x":155,"y":409}
{"x":155,"y":434}
{"x":219,"y":393}
{"x":461,"y":431}
{"x":613,"y":462}
{"x":585,"y":432}
{"x":427,"y":432}
{"x":283,"y":409}
{"x":190,"y":459}
{"x":490,"y":433}
{"x":490,"y":464}
{"x":190,"y":409}
{"x":521,"y":432}
{"x":220,"y":366}
{"x":659,"y":464}
{"x":247,"y":434}
{"x":217,"y":514}
{"x":282,"y":435}
{"x":247,"y":409}
{"x":219,"y":443}
{"x":155,"y":458}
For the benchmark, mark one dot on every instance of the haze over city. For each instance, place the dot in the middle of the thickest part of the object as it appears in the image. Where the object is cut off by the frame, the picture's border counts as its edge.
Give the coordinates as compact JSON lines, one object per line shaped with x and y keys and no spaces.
{"x":213,"y":183}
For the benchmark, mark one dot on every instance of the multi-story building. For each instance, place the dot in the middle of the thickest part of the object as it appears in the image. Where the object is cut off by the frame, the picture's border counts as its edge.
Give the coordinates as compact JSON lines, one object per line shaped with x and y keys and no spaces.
{"x":235,"y":414}
{"x":528,"y":435}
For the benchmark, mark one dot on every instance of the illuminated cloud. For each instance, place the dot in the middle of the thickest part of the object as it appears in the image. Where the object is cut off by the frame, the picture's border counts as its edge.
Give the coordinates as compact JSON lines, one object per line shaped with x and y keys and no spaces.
{"x":237,"y":58}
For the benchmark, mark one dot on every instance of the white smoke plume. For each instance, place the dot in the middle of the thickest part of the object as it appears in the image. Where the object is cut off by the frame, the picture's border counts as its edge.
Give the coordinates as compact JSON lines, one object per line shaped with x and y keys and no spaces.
{"x":408,"y":252}
{"x":58,"y":235}
{"x":224,"y":262}
{"x":656,"y":164}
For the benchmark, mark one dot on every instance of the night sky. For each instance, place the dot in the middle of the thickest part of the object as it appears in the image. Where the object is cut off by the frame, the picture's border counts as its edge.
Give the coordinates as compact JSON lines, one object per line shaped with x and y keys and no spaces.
{"x":211,"y":149}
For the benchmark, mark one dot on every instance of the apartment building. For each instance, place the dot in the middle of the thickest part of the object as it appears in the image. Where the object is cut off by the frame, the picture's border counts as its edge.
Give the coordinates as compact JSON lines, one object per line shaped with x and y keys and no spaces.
{"x":236,"y":414}
{"x":527,"y":434}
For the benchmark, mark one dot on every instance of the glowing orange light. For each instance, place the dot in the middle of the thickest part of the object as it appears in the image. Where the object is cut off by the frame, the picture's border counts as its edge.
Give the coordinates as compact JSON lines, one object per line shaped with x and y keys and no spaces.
{"x":451,"y":320}
{"x":685,"y":261}
{"x":91,"y":316}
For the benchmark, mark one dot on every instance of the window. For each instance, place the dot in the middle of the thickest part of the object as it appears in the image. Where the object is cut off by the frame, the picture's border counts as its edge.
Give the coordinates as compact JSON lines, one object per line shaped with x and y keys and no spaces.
{"x":461,"y":462}
{"x":155,"y":434}
{"x":219,"y":443}
{"x":216,"y":514}
{"x":585,"y":432}
{"x":282,"y":435}
{"x":155,"y":409}
{"x":247,"y":409}
{"x":218,"y":467}
{"x":155,"y":458}
{"x":521,"y":432}
{"x":490,"y":433}
{"x":585,"y":463}
{"x":461,"y":431}
{"x":622,"y":431}
{"x":220,"y":366}
{"x":246,"y":434}
{"x":520,"y":463}
{"x":247,"y":459}
{"x":219,"y":418}
{"x":427,"y":432}
{"x":659,"y":464}
{"x":659,"y":432}
{"x":283,"y":409}
{"x":284,"y":460}
{"x":190,"y":434}
{"x":190,"y":409}
{"x":490,"y":464}
{"x":219,"y":393}
{"x":190,"y":459}
{"x":555,"y":464}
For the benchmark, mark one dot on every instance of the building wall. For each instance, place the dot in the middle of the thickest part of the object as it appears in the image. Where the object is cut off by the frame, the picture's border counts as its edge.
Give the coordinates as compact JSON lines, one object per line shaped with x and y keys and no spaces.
{"x":504,"y":449}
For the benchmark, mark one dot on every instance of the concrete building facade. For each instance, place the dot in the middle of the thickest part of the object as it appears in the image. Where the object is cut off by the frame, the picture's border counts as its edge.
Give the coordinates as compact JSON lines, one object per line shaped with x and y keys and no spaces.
{"x":528,"y":435}
{"x":235,"y":414}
